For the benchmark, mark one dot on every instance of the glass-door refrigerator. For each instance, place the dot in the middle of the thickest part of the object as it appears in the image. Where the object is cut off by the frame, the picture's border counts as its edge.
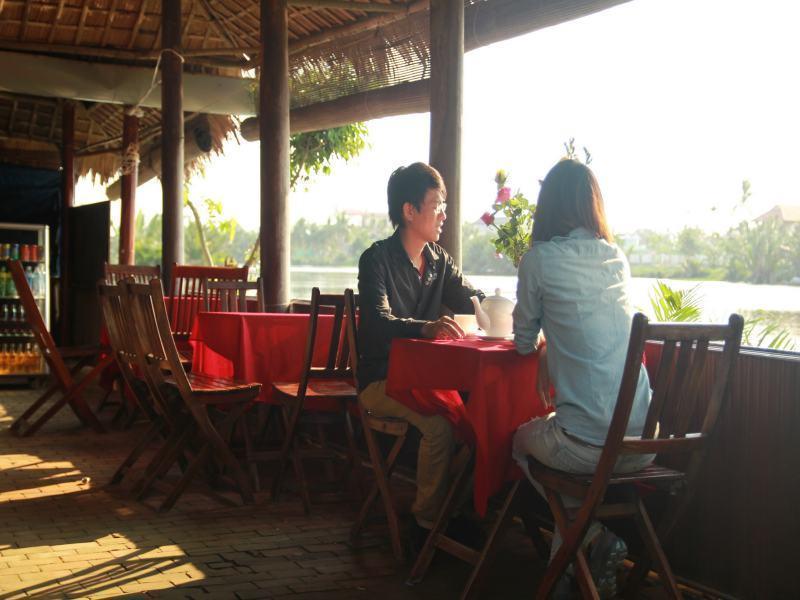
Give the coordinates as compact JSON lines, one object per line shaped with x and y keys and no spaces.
{"x":19,"y":354}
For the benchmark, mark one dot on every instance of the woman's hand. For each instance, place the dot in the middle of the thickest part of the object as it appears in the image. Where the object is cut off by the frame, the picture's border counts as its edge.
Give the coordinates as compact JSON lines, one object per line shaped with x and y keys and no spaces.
{"x":443,"y":327}
{"x":543,"y":379}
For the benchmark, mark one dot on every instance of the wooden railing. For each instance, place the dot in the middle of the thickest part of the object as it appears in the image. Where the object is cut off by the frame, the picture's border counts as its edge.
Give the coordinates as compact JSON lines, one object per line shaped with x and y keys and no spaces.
{"x":741,"y":534}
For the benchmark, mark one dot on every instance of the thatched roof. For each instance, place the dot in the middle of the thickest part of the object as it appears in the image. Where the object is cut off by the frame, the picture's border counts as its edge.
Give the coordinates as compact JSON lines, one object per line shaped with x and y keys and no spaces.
{"x":337,"y":48}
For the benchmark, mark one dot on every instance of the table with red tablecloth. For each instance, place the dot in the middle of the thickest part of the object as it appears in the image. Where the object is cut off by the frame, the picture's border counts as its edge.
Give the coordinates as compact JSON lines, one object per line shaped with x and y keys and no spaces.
{"x":424,"y":374}
{"x":259,"y":347}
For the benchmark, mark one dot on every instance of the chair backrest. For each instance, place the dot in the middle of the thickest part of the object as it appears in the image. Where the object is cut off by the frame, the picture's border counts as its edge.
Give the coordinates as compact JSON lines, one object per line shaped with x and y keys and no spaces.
{"x":682,"y":413}
{"x":337,"y":358}
{"x":350,"y":304}
{"x":170,"y":357}
{"x":188,"y":292}
{"x":121,"y":336}
{"x":232,"y":295}
{"x":138,"y":302}
{"x":34,"y":317}
{"x":139,"y":273}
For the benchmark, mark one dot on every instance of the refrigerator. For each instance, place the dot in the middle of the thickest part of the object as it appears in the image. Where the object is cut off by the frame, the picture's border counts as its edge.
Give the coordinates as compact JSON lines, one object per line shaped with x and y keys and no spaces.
{"x":19,"y":353}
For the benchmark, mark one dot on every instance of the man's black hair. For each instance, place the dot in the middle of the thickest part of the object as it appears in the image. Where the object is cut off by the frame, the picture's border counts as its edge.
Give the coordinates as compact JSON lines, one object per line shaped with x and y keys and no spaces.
{"x":410,"y":184}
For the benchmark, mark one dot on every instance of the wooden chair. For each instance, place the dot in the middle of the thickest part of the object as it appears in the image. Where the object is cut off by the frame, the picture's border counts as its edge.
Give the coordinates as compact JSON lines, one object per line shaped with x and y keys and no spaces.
{"x":381,"y":467}
{"x":122,"y":337}
{"x":231,"y":296}
{"x":321,"y":390}
{"x":70,"y":388}
{"x":681,"y":418}
{"x":139,"y":273}
{"x":214,"y":405}
{"x":188,"y":293}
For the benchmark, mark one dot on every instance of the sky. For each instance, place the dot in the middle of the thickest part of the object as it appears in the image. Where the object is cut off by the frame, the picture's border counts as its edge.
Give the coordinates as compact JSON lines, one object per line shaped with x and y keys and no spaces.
{"x":678,"y":101}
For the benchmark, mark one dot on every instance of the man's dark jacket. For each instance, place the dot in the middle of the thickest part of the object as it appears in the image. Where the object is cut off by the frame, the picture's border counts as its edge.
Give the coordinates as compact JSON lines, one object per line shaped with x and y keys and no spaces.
{"x":395,"y":301}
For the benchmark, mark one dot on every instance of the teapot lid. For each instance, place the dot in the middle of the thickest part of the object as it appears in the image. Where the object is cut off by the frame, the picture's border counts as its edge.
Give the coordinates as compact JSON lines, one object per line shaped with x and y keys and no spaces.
{"x":497,"y":300}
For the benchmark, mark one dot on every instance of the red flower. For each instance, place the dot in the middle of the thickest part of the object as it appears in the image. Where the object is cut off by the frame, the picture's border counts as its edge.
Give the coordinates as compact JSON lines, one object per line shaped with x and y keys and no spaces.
{"x":503,"y":195}
{"x":487,"y":218}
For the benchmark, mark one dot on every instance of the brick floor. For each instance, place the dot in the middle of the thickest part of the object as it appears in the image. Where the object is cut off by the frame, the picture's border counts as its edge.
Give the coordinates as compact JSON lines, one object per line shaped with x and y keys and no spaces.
{"x":64,"y":533}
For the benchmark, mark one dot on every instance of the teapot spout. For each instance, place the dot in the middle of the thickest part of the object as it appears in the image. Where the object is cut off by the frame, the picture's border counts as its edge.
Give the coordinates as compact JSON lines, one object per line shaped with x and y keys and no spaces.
{"x":480,"y":315}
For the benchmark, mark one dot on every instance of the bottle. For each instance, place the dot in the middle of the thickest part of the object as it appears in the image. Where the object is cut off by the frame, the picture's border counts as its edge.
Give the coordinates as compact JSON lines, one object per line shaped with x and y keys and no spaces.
{"x":22,"y":314}
{"x":29,"y":277}
{"x":13,"y":313}
{"x":14,"y":252}
{"x":5,"y":312}
{"x":41,"y":283}
{"x":3,"y":282}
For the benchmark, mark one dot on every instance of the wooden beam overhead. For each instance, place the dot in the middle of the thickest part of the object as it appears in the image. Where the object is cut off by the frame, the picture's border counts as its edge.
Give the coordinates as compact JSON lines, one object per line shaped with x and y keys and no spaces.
{"x":299,"y":46}
{"x":349,"y":5}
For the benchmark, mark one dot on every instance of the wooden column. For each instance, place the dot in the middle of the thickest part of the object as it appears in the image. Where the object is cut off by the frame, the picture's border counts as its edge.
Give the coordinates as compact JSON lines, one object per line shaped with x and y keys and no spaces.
{"x":68,"y":152}
{"x":447,"y":74}
{"x":68,"y":193}
{"x":171,"y":138}
{"x":127,"y":219}
{"x":274,"y":134}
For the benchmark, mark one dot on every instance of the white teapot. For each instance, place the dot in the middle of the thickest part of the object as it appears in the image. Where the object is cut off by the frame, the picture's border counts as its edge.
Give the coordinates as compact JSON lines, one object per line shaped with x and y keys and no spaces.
{"x":494,"y":314}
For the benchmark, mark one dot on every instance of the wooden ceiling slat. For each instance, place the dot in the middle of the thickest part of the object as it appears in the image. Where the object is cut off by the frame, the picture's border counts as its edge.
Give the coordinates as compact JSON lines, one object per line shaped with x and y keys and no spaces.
{"x":212,"y":18}
{"x":187,"y":22}
{"x":249,"y":38}
{"x":138,"y":24}
{"x":24,"y":26}
{"x":52,"y":35}
{"x":109,"y":18}
{"x":82,"y":22}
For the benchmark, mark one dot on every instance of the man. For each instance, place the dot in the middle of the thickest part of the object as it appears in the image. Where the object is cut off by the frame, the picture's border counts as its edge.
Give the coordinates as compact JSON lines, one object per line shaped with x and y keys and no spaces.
{"x":404,"y":282}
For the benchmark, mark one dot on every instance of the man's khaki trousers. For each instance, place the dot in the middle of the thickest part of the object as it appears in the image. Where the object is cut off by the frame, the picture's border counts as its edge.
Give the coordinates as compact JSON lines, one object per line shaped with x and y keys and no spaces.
{"x":435,"y":449}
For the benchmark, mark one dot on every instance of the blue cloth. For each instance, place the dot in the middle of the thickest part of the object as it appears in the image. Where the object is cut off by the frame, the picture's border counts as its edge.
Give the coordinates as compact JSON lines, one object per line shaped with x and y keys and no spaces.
{"x":575,"y":289}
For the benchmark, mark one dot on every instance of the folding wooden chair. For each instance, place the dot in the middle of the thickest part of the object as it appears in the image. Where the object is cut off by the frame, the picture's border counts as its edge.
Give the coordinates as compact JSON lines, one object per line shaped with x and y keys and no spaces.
{"x":684,"y":408}
{"x":231,"y":296}
{"x":381,"y":467}
{"x":213,"y":405}
{"x":321,"y":391}
{"x":139,"y":273}
{"x":122,"y":337}
{"x":188,"y":294}
{"x":71,"y":389}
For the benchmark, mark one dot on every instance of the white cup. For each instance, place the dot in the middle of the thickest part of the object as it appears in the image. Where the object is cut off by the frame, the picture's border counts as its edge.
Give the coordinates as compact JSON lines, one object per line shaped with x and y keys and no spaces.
{"x":467,"y":322}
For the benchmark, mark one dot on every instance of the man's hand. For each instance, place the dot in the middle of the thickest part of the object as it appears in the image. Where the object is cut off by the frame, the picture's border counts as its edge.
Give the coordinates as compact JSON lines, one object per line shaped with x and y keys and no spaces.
{"x":443,"y":328}
{"x":543,"y":380}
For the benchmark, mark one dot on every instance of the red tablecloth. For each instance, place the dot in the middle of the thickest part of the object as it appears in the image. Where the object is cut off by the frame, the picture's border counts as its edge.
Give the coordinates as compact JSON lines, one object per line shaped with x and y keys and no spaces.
{"x":263,"y":347}
{"x":423,"y":375}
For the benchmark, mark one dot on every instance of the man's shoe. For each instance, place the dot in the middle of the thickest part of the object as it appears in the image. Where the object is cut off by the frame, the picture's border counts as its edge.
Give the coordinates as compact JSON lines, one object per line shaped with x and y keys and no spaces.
{"x":417,"y":534}
{"x":606,"y":553}
{"x":565,"y":588}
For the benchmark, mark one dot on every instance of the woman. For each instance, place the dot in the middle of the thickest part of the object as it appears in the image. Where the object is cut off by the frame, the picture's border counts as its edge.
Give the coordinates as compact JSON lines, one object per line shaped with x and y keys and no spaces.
{"x":573,"y":287}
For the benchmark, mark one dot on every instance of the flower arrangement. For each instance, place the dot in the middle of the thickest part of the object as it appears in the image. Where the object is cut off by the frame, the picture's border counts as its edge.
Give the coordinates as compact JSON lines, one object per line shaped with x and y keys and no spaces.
{"x":514,"y":229}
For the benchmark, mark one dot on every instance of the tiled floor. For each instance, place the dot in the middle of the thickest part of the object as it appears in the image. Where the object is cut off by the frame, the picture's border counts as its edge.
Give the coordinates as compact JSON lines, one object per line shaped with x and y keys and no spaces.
{"x":64,"y":533}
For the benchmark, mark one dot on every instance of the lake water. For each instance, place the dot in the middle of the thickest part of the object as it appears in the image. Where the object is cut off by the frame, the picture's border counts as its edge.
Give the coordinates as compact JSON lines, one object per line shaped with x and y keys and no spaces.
{"x":781,"y":303}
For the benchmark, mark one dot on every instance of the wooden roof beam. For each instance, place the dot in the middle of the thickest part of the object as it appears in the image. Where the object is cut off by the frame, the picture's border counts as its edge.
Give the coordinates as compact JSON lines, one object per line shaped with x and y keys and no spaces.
{"x":303,"y":44}
{"x":375,"y":7}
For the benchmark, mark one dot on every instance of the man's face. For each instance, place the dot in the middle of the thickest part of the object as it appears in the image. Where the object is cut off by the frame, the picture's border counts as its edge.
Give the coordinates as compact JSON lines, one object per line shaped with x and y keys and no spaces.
{"x":427,"y":222}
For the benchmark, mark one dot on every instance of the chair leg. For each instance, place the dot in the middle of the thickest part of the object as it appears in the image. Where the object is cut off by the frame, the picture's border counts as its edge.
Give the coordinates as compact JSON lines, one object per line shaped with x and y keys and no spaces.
{"x":222,"y":451}
{"x":287,"y":448}
{"x":199,"y":460}
{"x":478,"y":574}
{"x":353,"y":458}
{"x":300,"y":476}
{"x":248,"y":453}
{"x":163,"y":460}
{"x":570,"y":551}
{"x":383,"y":472}
{"x":149,"y":435}
{"x":650,"y":539}
{"x":21,"y":422}
{"x":461,"y":480}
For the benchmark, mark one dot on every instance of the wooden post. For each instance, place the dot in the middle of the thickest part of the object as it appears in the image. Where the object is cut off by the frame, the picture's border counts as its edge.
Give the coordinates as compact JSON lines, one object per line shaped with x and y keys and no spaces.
{"x":171,"y":138}
{"x":274,"y":134}
{"x":68,"y":185}
{"x":447,"y":74}
{"x":130,"y":176}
